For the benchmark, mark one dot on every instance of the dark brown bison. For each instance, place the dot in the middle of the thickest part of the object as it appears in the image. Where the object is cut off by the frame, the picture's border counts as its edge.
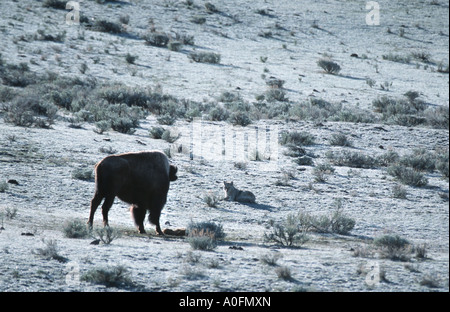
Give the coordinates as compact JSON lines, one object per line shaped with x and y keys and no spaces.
{"x":140,"y":179}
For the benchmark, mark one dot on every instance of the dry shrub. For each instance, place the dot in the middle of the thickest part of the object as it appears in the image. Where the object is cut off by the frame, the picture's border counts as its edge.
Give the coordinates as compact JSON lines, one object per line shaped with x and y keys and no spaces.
{"x":330,"y":67}
{"x":202,"y":239}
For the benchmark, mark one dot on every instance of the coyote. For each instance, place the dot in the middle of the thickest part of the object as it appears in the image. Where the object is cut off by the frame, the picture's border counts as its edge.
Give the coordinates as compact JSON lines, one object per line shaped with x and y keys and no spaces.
{"x":233,"y":194}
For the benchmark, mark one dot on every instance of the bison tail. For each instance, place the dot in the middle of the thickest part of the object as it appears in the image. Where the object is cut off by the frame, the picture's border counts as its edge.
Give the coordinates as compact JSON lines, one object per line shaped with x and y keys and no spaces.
{"x":173,"y":173}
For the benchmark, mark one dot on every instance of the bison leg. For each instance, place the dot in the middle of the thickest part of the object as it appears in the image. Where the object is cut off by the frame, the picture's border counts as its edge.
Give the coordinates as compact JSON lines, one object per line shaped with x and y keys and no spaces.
{"x":109,"y":200}
{"x":95,"y":202}
{"x":158,"y":230}
{"x":138,"y":215}
{"x":156,"y":205}
{"x":154,"y":218}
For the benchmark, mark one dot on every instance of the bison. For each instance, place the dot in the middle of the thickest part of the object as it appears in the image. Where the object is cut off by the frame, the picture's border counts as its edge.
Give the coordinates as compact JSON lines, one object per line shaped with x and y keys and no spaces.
{"x":141,"y":179}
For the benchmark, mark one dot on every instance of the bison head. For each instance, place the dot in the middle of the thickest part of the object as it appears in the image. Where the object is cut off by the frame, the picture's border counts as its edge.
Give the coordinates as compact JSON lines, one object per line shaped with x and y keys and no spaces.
{"x":173,"y":173}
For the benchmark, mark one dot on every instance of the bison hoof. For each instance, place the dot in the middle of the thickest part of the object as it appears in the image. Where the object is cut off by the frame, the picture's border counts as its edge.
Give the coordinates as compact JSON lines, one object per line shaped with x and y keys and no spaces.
{"x":142,"y":232}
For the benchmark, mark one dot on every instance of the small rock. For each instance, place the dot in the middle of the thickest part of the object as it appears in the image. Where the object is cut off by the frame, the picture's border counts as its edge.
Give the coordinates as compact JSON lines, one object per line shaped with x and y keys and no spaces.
{"x":305,"y":161}
{"x":380,"y":128}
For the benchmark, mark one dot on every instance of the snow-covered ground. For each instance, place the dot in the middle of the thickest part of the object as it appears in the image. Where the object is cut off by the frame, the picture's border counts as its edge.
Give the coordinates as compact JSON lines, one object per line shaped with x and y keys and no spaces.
{"x":302,"y":32}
